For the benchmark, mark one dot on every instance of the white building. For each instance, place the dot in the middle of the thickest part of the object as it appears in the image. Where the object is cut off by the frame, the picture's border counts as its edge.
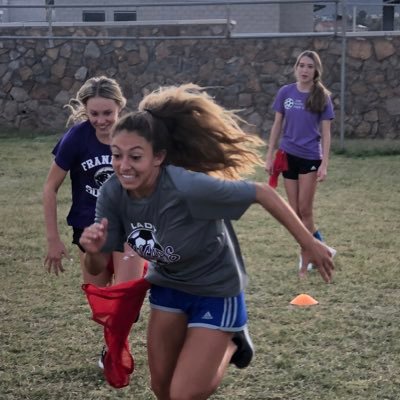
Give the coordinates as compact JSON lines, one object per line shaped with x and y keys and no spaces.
{"x":250,"y":18}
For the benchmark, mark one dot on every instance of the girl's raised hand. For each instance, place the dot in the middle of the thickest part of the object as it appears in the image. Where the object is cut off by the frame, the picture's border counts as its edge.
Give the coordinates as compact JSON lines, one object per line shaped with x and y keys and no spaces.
{"x":94,"y":236}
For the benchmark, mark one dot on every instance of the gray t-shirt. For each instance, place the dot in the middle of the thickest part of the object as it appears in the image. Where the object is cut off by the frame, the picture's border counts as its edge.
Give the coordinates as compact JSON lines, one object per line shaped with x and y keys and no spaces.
{"x":183,"y":228}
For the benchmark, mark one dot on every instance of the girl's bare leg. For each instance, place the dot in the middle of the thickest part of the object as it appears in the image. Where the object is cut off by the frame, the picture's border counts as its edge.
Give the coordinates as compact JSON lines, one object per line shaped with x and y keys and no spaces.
{"x":292,"y":193}
{"x":165,"y":338}
{"x":127,"y":266}
{"x":202,"y":363}
{"x":103,"y":279}
{"x":307,"y":189}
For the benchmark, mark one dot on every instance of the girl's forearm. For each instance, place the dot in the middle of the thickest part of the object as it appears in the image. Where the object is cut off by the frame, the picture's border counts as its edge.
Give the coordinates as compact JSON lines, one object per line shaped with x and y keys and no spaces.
{"x":50,"y":215}
{"x":271,"y":201}
{"x":326,"y":143}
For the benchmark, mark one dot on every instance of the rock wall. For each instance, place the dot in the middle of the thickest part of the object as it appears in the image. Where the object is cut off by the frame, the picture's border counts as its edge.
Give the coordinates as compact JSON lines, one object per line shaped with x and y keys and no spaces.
{"x":38,"y":75}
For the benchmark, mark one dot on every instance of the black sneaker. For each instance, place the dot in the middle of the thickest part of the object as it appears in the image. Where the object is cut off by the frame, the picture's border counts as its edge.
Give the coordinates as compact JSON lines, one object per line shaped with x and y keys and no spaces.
{"x":102,"y":357}
{"x":245,"y":349}
{"x":137,"y":318}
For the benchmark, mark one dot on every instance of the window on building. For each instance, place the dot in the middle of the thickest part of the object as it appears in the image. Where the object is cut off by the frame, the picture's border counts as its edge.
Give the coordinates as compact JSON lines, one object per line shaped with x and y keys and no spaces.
{"x":93,"y":16}
{"x":125,"y":16}
{"x":49,"y":2}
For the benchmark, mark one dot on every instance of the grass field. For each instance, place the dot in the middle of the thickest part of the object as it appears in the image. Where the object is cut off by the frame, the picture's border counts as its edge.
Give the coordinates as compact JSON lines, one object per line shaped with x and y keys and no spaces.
{"x":346,"y":348}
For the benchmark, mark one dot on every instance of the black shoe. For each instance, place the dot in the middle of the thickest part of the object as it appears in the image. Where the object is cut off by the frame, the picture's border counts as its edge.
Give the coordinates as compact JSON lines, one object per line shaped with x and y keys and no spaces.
{"x":102,"y":357}
{"x":245,"y":349}
{"x":137,"y":318}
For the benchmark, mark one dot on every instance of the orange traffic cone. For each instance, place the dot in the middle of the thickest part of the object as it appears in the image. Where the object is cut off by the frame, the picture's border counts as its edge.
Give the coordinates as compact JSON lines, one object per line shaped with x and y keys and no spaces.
{"x":304,"y":300}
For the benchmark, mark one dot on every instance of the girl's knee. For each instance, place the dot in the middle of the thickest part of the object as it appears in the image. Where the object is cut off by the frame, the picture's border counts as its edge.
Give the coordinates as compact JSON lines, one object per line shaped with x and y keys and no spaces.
{"x":192,"y":393}
{"x":305,"y":212}
{"x":161,"y":390}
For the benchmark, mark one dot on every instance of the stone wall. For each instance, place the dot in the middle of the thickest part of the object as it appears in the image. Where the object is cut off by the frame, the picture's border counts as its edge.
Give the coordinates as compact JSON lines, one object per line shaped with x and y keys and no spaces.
{"x":38,"y":76}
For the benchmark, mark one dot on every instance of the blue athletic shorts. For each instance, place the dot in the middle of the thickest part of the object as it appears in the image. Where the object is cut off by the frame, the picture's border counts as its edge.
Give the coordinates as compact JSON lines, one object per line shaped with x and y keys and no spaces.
{"x":298,"y":166}
{"x":222,"y":313}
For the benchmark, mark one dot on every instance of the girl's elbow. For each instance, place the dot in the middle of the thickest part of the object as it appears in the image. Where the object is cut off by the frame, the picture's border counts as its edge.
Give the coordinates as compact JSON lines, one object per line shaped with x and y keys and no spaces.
{"x":262,"y":190}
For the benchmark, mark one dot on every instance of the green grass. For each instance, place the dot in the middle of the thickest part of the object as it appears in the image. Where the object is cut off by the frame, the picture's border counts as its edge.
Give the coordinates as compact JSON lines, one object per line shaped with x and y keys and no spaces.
{"x":366,"y":147}
{"x":346,"y":348}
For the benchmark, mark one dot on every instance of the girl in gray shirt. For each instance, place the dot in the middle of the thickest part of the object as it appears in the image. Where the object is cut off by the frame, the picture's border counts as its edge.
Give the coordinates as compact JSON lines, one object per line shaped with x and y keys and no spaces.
{"x":178,"y":163}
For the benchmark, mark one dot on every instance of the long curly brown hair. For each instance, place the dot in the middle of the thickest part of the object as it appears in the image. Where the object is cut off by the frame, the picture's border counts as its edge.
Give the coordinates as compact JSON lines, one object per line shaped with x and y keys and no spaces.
{"x":197,"y":133}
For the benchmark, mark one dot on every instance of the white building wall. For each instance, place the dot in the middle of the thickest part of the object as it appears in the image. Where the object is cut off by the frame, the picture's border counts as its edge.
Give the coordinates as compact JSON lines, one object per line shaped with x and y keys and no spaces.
{"x":256,"y":18}
{"x":296,"y":18}
{"x":26,"y":14}
{"x":249,"y":18}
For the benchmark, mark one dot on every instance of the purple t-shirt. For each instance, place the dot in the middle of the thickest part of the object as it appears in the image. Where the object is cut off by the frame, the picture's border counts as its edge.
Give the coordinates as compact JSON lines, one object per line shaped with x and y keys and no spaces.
{"x":89,"y":164}
{"x":301,"y":135}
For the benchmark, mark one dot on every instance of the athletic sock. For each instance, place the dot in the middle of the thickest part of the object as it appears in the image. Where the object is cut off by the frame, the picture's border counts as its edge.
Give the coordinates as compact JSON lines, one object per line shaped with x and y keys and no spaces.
{"x":317,"y":234}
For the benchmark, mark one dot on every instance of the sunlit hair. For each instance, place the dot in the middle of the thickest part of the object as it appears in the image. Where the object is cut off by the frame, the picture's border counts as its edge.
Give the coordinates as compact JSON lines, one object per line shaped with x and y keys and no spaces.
{"x":196,"y":132}
{"x":319,"y":94}
{"x":100,"y":86}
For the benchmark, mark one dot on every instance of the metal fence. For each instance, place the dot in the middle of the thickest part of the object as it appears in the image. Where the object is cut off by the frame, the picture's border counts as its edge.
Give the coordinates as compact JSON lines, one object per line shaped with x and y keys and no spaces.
{"x":326,"y":14}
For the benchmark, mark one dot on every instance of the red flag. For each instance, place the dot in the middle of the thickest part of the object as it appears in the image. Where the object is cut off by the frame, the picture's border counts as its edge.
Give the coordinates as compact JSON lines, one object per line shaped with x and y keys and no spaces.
{"x":117,"y":308}
{"x":280,"y":165}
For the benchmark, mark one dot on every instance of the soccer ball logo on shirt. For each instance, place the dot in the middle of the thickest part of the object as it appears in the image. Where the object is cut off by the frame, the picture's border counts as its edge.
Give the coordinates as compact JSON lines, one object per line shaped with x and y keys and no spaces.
{"x":143,"y":241}
{"x":102,"y":175}
{"x":293,"y":104}
{"x":289,"y":103}
{"x":99,"y":177}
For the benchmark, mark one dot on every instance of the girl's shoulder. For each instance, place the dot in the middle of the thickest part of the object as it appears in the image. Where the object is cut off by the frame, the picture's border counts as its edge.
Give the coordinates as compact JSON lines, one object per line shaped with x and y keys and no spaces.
{"x":192,"y":184}
{"x":112,"y":187}
{"x":287,"y":90}
{"x":81,"y":130}
{"x":75,"y":138}
{"x":186,"y":182}
{"x":289,"y":87}
{"x":178,"y":176}
{"x":79,"y":137}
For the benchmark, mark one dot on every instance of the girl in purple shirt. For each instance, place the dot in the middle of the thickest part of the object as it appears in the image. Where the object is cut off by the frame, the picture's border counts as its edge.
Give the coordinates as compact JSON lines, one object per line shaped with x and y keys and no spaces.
{"x":303,"y":115}
{"x":84,"y":151}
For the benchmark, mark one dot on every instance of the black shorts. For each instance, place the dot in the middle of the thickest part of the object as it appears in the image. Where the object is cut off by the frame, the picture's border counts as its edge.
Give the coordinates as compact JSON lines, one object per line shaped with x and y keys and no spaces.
{"x":77,"y":233}
{"x":298,"y":165}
